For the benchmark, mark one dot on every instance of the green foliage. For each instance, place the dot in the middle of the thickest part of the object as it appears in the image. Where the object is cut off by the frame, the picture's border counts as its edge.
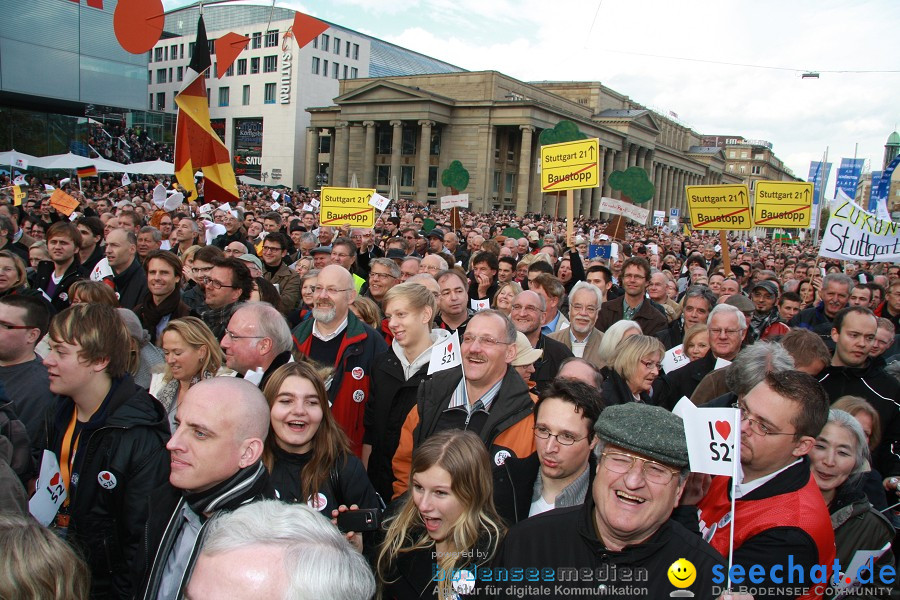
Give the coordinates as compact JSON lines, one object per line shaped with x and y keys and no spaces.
{"x":455,"y":177}
{"x":633,"y":183}
{"x":565,"y":131}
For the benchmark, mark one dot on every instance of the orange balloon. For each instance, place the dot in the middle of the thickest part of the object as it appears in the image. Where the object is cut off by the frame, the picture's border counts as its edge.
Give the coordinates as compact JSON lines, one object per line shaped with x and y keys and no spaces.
{"x":138,"y":24}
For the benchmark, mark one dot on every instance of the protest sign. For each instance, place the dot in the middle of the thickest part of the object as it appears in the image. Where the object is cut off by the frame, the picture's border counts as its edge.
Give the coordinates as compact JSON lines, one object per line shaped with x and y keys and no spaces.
{"x":626,"y":209}
{"x":63,"y":203}
{"x":50,"y":491}
{"x":675,"y":359}
{"x":445,"y":355}
{"x":713,"y":437}
{"x":379,"y":201}
{"x":856,"y":234}
{"x":719,"y":207}
{"x":347,"y":206}
{"x":455,"y":201}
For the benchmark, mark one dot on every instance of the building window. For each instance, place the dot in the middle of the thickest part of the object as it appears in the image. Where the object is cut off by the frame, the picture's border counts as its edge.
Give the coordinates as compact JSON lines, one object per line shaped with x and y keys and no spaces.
{"x":324,"y":144}
{"x":408,"y":140}
{"x":170,"y":74}
{"x":166,"y":55}
{"x":335,"y":68}
{"x":324,"y":68}
{"x":256,"y":40}
{"x":315,"y":65}
{"x":435,"y":146}
{"x":432,"y":177}
{"x":497,"y":147}
{"x":212,"y":47}
{"x":510,"y":185}
{"x":315,"y":42}
{"x":383,"y":137}
{"x":742,"y":169}
{"x":732,"y":154}
{"x":270,"y":64}
{"x":223,"y":96}
{"x":325,"y":40}
{"x":407,"y":176}
{"x":269,"y":93}
{"x":246,"y":96}
{"x":337,"y":46}
{"x":731,"y":168}
{"x":254,"y":65}
{"x":382,"y":175}
{"x":150,"y":77}
{"x":354,"y":72}
{"x":756,"y":170}
{"x":271,"y":38}
{"x":744,"y":154}
{"x":495,"y":184}
{"x":191,"y":49}
{"x":355,"y":51}
{"x":150,"y":105}
{"x":173,"y":52}
{"x":242,"y":66}
{"x":207,"y":96}
{"x":180,"y":73}
{"x":157,"y":54}
{"x":345,"y":71}
{"x":230,"y":71}
{"x":215,"y":69}
{"x":160,"y":101}
{"x":180,"y":50}
{"x":347,"y":54}
{"x":160,"y":76}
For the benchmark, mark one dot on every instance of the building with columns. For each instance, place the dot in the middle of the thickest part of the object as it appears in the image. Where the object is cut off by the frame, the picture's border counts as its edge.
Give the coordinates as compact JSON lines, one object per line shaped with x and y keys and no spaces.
{"x":410,"y":128}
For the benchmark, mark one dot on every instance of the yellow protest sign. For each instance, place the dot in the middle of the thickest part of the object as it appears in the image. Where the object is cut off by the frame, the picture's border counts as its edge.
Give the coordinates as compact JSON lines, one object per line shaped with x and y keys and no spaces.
{"x":346,"y":206}
{"x":722,"y":207}
{"x":783,"y":204}
{"x":18,"y":195}
{"x":570,"y":165}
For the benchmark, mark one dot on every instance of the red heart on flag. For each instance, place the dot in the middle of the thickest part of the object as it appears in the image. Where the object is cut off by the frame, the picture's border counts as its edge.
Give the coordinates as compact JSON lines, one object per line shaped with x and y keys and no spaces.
{"x":449,"y":347}
{"x":54,"y":480}
{"x":724,"y":429}
{"x":105,"y":474}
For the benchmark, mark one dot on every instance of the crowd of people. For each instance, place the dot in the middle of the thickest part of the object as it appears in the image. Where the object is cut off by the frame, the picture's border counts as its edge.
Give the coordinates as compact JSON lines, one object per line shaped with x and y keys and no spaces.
{"x":240,"y":401}
{"x":116,"y":142}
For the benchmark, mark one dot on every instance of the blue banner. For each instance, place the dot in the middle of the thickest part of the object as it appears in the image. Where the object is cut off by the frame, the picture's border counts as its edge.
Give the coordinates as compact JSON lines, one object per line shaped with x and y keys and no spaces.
{"x":599,"y":251}
{"x":815,"y":177}
{"x":873,"y":191}
{"x":848,"y":176}
{"x":884,"y":185}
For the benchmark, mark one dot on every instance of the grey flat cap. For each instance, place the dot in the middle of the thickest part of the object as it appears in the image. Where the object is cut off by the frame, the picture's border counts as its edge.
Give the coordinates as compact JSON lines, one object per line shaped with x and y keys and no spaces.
{"x":646,"y":429}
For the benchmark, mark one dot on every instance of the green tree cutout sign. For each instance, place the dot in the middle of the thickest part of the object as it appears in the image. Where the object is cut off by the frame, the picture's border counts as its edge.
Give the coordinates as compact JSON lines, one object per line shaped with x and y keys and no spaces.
{"x":634,"y":184}
{"x":455,"y":177}
{"x":564,"y":131}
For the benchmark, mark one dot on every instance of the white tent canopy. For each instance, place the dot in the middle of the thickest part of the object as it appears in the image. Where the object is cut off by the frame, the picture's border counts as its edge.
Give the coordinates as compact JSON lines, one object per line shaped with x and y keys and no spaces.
{"x":62,"y":161}
{"x":152,"y":167}
{"x":11,"y":156}
{"x":71,"y":161}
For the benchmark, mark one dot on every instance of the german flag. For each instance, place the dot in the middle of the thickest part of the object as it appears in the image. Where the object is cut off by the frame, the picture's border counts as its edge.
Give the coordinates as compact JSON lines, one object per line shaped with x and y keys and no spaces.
{"x":83,"y":172}
{"x":196,"y":144}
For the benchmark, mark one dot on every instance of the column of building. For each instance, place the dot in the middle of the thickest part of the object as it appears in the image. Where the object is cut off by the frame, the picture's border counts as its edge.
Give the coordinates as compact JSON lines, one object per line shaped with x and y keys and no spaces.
{"x":396,"y":141}
{"x":312,"y":157}
{"x":341,"y":154}
{"x":523,"y":177}
{"x":368,"y":174}
{"x":422,"y":160}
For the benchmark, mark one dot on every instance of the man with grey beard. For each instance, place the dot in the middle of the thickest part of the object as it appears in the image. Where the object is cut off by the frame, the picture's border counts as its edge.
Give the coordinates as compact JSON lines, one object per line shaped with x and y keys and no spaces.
{"x":334,"y":338}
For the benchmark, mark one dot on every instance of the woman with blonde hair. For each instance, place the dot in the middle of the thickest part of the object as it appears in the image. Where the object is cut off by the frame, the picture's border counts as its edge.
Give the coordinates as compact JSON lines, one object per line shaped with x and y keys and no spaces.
{"x":307,"y":453}
{"x":366,"y":311}
{"x":503,"y":298}
{"x":13,"y":276}
{"x":192,"y":354}
{"x":87,"y":291}
{"x":617,"y":332}
{"x":446,"y":525}
{"x":409,"y":310}
{"x":633,"y":370}
{"x":696,"y":341}
{"x":36,"y":564}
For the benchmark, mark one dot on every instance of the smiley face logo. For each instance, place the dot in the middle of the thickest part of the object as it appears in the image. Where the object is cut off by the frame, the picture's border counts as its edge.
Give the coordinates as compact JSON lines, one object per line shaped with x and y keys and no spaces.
{"x":682,"y":573}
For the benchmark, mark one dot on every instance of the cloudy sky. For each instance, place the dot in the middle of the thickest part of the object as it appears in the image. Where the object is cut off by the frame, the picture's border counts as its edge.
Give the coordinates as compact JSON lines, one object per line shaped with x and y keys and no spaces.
{"x":671,"y":55}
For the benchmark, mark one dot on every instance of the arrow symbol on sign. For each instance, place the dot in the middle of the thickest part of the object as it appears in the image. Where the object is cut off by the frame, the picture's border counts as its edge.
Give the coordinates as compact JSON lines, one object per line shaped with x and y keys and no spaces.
{"x":806,"y":191}
{"x":591,"y":148}
{"x":741,"y":194}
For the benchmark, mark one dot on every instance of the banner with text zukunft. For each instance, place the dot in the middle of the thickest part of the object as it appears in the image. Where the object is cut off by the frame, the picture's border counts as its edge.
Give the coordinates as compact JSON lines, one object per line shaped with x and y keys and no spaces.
{"x":855,"y":234}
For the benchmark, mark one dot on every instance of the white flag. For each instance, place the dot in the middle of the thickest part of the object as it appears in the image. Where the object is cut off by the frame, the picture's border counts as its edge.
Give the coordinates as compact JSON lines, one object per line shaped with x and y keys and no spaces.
{"x":159,"y":195}
{"x":102,"y":270}
{"x":126,"y":180}
{"x":275,"y":195}
{"x":445,"y":355}
{"x":480,"y":305}
{"x":21,"y":163}
{"x":379,"y":201}
{"x":713,"y":437}
{"x":50,"y":491}
{"x":48,"y":188}
{"x":20,"y":180}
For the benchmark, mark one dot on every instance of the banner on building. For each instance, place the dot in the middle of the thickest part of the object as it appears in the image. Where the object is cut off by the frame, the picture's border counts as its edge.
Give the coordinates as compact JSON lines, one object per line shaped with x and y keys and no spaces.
{"x":248,"y":141}
{"x":884,"y":185}
{"x":873,"y":191}
{"x":817,"y":178}
{"x":855,"y":234}
{"x":848,"y":176}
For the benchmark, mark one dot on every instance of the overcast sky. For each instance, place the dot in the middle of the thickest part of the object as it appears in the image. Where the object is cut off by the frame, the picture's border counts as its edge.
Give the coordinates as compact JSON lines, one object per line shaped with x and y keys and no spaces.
{"x":632,"y":45}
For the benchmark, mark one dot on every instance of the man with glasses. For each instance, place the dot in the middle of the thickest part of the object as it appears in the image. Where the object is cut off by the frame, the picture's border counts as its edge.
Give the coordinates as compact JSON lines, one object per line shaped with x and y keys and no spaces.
{"x":484,"y":395}
{"x":194,"y":292}
{"x":581,"y":337}
{"x":227,"y":283}
{"x":383,"y":275}
{"x":634,"y":305}
{"x":624,"y":522}
{"x":257,"y":339}
{"x":336,"y":338}
{"x":527,"y":313}
{"x":558,"y":474}
{"x":285,"y":280}
{"x":727,"y":327}
{"x":343,"y":254}
{"x":779,"y":512}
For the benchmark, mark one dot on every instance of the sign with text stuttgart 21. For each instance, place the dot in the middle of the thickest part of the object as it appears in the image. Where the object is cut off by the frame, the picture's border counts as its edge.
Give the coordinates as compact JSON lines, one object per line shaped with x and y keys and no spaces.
{"x":719,"y":207}
{"x":347,"y":206}
{"x":783,"y":204}
{"x":570,"y":165}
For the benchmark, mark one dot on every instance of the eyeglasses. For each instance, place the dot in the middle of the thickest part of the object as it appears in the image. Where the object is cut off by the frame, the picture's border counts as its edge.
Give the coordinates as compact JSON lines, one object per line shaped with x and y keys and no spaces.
{"x":525,"y":308}
{"x":215,"y":284}
{"x":649,"y":364}
{"x":233,"y":337}
{"x":619,"y":462}
{"x":564,"y":439}
{"x":272,"y":249}
{"x":755,"y":426}
{"x":330,"y":291}
{"x":484,"y":340}
{"x":373,"y":275}
{"x":717,"y":331}
{"x":582,"y":308}
{"x":7,"y":326}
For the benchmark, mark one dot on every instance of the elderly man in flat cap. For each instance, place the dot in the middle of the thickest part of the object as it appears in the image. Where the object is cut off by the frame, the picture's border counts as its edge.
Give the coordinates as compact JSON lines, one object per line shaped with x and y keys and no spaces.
{"x":621,"y":542}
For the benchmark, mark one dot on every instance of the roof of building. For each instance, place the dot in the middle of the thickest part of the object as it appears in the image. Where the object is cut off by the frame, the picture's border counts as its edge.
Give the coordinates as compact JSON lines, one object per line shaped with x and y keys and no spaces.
{"x":893,"y":139}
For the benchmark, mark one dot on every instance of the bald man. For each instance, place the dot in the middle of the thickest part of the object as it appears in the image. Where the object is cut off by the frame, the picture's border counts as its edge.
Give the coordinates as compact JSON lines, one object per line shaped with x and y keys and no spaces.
{"x":216,"y":464}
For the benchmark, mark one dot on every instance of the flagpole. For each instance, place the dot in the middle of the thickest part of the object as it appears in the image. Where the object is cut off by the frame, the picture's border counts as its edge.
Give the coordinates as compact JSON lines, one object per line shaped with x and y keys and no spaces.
{"x":735,"y":462}
{"x":823,"y":171}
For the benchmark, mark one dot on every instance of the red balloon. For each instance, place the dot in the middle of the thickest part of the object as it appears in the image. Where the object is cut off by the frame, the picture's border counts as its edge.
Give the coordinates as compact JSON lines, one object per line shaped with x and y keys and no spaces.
{"x":138,"y":24}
